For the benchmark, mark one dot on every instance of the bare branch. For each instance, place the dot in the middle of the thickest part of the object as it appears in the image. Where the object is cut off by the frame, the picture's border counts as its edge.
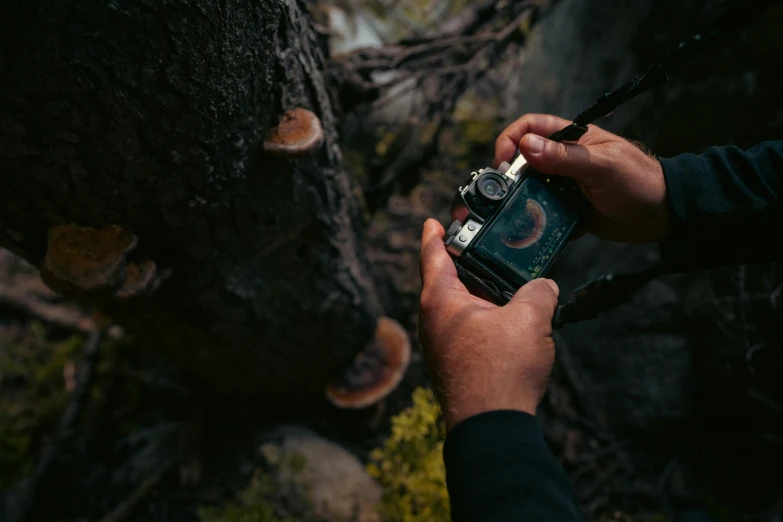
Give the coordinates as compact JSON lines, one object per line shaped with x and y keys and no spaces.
{"x":448,"y":62}
{"x":126,"y":507}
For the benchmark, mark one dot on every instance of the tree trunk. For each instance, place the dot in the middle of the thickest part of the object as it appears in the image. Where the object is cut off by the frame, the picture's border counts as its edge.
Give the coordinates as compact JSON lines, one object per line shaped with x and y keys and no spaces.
{"x":152,"y":116}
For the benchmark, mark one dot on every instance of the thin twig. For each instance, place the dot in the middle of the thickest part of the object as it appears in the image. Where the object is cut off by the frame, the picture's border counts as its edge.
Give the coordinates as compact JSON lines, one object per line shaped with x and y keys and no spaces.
{"x":422,"y":60}
{"x":446,"y":63}
{"x":84,"y":380}
{"x":21,"y":289}
{"x":126,"y":507}
{"x":600,"y":481}
{"x":651,"y":494}
{"x":56,"y":314}
{"x":766,"y":400}
{"x":612,"y":449}
{"x":743,"y":305}
{"x":665,"y":478}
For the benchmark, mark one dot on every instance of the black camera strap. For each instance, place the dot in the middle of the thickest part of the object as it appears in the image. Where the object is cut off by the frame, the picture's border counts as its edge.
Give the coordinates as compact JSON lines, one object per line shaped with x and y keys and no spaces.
{"x":609,"y":291}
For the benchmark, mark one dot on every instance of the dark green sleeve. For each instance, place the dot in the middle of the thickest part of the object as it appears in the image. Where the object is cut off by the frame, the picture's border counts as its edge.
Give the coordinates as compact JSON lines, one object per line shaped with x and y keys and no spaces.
{"x":725,"y":206}
{"x":498,"y":468}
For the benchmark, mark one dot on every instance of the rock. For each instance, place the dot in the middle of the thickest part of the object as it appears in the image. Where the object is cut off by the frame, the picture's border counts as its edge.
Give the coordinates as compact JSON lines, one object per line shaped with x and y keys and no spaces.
{"x":635,"y":359}
{"x":329,"y":480}
{"x":354,"y":29}
{"x":580,"y":50}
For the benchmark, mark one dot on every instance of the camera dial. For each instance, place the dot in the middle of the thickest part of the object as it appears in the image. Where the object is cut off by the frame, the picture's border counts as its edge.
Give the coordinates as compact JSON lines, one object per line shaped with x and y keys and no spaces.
{"x":491,"y":186}
{"x":484,"y":192}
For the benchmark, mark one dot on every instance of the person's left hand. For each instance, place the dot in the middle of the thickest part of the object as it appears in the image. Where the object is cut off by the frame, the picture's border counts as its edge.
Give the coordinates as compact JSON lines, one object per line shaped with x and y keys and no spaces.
{"x":482,"y":357}
{"x":625,"y":185}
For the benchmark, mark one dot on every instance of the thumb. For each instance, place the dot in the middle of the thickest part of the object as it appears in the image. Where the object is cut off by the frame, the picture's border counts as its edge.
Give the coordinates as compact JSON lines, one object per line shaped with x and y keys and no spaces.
{"x":559,"y":159}
{"x":542,"y":293}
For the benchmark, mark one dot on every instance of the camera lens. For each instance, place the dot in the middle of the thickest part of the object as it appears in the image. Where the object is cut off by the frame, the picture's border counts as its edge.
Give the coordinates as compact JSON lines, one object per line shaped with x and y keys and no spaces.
{"x":492,"y":186}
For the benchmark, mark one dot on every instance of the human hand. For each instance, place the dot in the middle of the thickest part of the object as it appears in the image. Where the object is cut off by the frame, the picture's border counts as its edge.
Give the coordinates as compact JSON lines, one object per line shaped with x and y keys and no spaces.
{"x":482,"y":357}
{"x":624,"y":184}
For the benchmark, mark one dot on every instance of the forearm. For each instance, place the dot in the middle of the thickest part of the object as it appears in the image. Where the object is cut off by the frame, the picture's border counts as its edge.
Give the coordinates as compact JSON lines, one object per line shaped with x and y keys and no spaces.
{"x":500,"y":469}
{"x":725,"y":205}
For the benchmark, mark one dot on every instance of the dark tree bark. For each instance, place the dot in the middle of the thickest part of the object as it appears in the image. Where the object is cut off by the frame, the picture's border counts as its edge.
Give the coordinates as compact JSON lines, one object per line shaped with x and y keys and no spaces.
{"x":151,"y":115}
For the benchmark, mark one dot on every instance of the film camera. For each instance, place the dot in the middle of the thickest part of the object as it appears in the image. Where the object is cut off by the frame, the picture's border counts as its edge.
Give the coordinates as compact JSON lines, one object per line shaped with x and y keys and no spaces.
{"x":510,"y":225}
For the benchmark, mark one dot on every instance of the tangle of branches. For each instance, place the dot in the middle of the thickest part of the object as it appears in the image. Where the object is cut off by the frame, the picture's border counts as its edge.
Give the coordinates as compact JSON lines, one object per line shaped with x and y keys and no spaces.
{"x":440,"y":66}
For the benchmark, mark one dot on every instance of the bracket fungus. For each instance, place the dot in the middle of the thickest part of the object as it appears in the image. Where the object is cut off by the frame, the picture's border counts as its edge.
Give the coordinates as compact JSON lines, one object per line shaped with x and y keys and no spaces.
{"x":299,"y":133}
{"x":376,"y":371}
{"x":86,"y":260}
{"x":82,"y":260}
{"x":141,"y":279}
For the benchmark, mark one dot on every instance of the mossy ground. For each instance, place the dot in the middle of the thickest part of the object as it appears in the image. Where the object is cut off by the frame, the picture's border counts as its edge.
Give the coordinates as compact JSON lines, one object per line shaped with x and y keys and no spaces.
{"x":33,"y":393}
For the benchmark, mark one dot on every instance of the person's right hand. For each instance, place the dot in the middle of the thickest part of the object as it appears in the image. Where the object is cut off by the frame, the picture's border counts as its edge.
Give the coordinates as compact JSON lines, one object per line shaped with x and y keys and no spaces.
{"x":624,"y":184}
{"x":482,"y":357}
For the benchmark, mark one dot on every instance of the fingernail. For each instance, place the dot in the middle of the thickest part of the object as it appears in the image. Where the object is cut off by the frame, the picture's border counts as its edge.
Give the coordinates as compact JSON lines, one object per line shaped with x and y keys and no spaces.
{"x":535,"y":144}
{"x":554,"y":286}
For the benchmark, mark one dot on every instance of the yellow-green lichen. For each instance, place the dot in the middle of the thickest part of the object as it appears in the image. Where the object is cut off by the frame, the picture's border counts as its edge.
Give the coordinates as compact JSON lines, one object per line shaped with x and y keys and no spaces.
{"x":409,"y":465}
{"x":254,"y":504}
{"x":261,"y":500}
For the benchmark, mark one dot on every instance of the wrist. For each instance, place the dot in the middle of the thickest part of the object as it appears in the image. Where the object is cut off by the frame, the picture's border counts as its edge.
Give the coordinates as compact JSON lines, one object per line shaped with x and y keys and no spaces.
{"x":662,"y":222}
{"x":460,"y":408}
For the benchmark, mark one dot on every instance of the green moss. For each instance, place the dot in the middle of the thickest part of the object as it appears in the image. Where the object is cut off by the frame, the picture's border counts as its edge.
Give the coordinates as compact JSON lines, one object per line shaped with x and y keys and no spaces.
{"x":620,"y":516}
{"x":123,"y":403}
{"x":356,"y":164}
{"x":410,"y":467}
{"x":32,"y":396}
{"x":457,"y":6}
{"x":260,"y":501}
{"x":720,"y":512}
{"x":470,"y":139}
{"x":254,"y":504}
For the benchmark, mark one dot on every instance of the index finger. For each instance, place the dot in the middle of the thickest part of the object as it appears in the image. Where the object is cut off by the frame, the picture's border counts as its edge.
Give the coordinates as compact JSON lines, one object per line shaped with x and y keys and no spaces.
{"x":508,"y":141}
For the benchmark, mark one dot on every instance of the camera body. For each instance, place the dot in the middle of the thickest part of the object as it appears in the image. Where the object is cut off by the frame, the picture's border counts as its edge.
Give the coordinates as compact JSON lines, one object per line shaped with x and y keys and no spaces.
{"x":510,"y":224}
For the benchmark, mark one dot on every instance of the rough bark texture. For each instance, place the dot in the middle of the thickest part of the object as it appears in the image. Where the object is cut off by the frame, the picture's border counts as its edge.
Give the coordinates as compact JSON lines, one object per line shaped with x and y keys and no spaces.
{"x":151,"y":116}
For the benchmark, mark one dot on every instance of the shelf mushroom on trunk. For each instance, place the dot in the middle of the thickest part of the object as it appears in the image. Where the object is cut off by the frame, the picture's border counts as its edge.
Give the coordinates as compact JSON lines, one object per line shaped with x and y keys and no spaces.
{"x":86,"y":260}
{"x":93,"y":262}
{"x":376,"y":371}
{"x":298,"y":134}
